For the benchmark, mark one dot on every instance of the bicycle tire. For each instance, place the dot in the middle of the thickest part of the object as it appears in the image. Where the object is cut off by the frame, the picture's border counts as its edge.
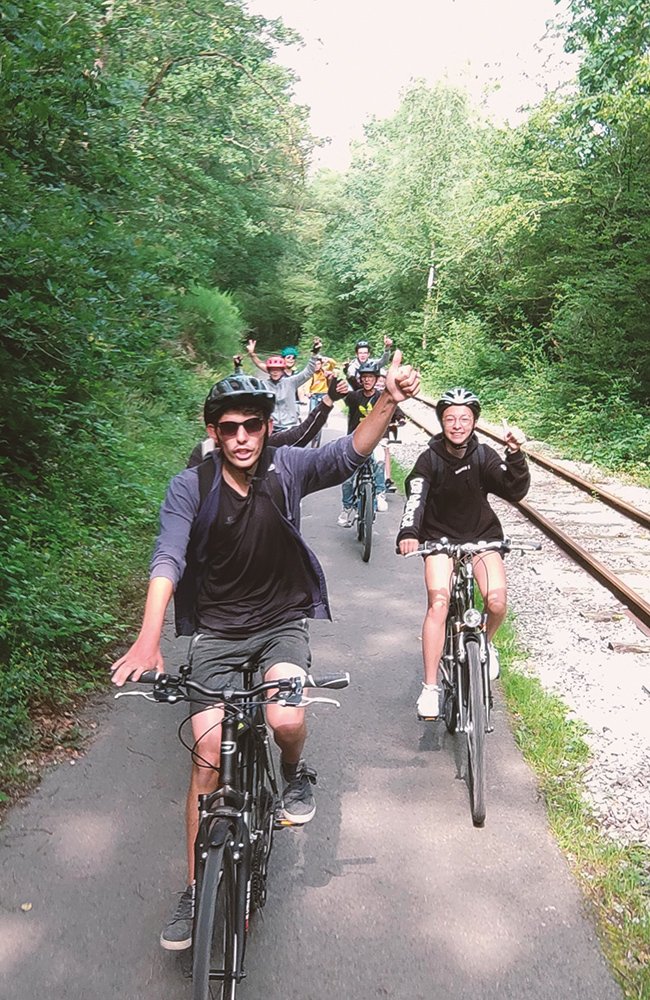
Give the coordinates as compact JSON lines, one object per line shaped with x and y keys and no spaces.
{"x":262,"y":827}
{"x":215,"y":944}
{"x":450,"y":708}
{"x":359,"y":510}
{"x":449,"y":687}
{"x":367,"y":515}
{"x":476,"y":734}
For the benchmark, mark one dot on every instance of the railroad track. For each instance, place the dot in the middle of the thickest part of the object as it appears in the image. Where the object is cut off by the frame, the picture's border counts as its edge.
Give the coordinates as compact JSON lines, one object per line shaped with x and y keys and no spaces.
{"x":605,"y":534}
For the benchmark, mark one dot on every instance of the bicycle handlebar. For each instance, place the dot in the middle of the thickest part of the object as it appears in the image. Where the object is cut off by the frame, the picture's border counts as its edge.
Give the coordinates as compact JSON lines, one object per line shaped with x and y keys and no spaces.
{"x":173,"y":688}
{"x":457,"y":550}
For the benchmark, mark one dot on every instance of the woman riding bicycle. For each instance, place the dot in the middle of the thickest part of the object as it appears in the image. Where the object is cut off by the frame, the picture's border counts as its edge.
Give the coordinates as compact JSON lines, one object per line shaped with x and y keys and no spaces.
{"x":446,"y":497}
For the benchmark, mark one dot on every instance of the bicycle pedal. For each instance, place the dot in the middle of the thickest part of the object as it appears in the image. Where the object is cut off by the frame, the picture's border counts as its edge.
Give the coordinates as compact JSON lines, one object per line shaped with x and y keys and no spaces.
{"x":279,"y":822}
{"x":282,"y":824}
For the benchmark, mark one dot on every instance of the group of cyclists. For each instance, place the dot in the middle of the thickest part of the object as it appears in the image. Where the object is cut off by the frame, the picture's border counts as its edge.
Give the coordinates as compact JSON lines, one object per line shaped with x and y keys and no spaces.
{"x":245,"y":583}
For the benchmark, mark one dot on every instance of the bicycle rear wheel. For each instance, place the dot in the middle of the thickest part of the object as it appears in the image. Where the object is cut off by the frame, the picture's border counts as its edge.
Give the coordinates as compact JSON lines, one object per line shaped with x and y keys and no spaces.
{"x":449,"y":682}
{"x":366,"y":514}
{"x":215,"y":943}
{"x":476,"y":734}
{"x":450,"y":708}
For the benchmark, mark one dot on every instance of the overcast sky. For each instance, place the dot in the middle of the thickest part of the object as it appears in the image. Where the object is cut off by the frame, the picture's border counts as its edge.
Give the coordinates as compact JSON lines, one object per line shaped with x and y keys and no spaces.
{"x":358,"y":56}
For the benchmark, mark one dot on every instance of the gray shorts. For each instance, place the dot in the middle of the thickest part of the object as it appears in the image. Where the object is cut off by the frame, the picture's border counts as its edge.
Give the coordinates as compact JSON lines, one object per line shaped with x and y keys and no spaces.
{"x":217,"y":663}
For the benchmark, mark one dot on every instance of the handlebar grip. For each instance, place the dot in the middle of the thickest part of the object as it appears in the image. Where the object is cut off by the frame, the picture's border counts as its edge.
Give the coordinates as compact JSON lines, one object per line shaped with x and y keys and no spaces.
{"x":149,"y":677}
{"x":334,"y":681}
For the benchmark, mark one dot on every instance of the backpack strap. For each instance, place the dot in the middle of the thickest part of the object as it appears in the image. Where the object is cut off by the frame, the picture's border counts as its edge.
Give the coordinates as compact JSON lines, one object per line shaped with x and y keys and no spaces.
{"x":206,"y":478}
{"x":270,"y":479}
{"x":437,"y":468}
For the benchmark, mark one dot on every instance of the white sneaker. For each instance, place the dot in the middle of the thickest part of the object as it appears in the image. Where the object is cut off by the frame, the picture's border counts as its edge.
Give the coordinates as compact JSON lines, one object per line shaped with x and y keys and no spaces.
{"x":381,"y":502}
{"x":345,"y":518}
{"x":428,"y":704}
{"x":493,"y":661}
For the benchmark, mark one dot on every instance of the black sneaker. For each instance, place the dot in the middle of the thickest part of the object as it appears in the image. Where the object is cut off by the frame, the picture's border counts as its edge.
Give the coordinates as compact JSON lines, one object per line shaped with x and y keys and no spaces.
{"x":390,"y":486}
{"x":177,"y":934}
{"x":298,"y":805}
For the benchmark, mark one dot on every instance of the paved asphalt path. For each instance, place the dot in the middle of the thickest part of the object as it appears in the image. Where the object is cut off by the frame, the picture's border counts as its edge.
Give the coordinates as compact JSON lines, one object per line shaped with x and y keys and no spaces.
{"x":389,"y":892}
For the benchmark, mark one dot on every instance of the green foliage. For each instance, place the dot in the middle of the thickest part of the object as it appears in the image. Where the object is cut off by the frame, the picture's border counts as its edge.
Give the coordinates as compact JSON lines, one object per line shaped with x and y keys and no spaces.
{"x":464,"y":354}
{"x":69,"y":557}
{"x":145,"y":149}
{"x":212,"y":324}
{"x":515,"y":260}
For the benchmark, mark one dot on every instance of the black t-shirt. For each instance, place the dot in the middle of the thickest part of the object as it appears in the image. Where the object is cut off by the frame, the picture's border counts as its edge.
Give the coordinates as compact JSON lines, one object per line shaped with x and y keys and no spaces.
{"x":359,"y":406}
{"x":259,"y":575}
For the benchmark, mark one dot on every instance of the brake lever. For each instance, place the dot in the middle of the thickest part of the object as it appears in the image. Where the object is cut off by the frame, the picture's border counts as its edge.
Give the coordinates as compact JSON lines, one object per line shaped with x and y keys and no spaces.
{"x":141,"y":694}
{"x":317,"y":701}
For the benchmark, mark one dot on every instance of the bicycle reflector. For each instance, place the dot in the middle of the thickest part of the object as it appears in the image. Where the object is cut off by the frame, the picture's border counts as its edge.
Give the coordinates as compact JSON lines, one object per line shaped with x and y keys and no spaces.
{"x":472,"y":618}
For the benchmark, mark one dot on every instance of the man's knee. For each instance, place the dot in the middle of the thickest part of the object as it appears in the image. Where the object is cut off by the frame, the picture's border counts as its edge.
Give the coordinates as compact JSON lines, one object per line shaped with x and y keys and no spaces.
{"x":287,"y":727}
{"x":205,"y":776}
{"x":281,"y":670}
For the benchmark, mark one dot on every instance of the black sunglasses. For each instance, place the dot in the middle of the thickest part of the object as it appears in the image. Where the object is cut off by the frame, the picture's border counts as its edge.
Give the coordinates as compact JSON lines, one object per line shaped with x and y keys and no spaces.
{"x":230,"y":428}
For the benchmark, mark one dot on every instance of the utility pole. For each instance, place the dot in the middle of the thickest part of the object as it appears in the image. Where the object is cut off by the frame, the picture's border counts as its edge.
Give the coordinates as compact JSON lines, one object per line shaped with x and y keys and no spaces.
{"x":429,"y":308}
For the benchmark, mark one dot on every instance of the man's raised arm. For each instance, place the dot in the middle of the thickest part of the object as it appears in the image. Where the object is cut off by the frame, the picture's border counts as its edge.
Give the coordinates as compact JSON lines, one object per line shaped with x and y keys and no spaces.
{"x":250,"y":349}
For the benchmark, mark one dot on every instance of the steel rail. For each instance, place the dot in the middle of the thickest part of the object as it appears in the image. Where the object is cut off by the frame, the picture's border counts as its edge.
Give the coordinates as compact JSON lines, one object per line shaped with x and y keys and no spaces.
{"x":639,"y":608}
{"x":636,"y":604}
{"x":615,"y":502}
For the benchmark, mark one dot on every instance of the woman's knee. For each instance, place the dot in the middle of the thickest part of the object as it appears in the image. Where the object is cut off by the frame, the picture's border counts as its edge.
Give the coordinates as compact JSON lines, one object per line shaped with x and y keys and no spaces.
{"x":496,"y":603}
{"x":437,"y":606}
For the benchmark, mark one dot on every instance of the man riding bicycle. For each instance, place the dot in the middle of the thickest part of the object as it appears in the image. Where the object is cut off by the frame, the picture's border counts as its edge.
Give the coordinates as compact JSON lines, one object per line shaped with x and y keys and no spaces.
{"x":360,"y":403}
{"x":245,"y":582}
{"x":361,"y":357}
{"x":446,"y":497}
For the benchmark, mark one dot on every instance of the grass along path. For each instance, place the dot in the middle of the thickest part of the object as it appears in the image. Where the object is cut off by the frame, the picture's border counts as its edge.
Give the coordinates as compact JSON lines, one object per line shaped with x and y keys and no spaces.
{"x":614,"y":878}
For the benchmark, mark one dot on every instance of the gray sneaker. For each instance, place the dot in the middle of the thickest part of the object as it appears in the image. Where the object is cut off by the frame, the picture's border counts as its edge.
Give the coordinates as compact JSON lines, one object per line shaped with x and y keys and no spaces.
{"x":298,"y":805}
{"x":177,"y":934}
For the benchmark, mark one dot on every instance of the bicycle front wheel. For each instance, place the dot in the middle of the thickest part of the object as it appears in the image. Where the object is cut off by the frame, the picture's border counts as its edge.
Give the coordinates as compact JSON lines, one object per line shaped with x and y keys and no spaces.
{"x":215,"y":943}
{"x":359,"y":509}
{"x":476,"y":734}
{"x":366,"y":515}
{"x":262,"y":825}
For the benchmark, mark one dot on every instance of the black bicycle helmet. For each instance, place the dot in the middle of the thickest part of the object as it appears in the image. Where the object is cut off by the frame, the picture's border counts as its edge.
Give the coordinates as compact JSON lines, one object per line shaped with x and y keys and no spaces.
{"x":367,"y":368}
{"x":458,"y":397}
{"x":361,"y":343}
{"x":237,"y":391}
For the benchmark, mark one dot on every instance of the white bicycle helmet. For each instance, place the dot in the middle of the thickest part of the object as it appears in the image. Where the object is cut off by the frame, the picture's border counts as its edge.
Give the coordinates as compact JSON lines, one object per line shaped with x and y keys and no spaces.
{"x":458,"y":397}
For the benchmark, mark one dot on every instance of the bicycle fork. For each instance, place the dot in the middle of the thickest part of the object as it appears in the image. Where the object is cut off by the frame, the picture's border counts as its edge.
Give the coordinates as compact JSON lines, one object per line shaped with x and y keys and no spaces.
{"x":462,"y":635}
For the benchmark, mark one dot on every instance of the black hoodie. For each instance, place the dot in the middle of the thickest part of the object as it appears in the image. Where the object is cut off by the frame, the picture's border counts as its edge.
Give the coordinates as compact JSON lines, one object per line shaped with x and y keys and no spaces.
{"x":446,"y":496}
